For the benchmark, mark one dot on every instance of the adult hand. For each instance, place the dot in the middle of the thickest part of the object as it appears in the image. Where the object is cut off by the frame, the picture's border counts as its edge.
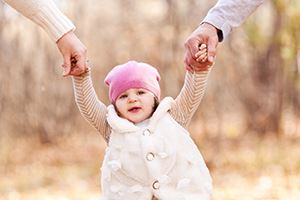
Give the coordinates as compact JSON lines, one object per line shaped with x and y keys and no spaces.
{"x":74,"y":54}
{"x":204,"y":34}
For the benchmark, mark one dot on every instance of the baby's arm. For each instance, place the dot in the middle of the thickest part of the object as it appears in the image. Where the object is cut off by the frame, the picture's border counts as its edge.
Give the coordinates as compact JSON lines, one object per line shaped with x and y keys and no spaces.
{"x":191,"y":94}
{"x":93,"y":110}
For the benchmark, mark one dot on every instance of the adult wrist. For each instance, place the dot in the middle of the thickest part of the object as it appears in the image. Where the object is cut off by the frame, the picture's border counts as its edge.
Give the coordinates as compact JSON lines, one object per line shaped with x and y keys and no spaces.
{"x":218,"y":32}
{"x":68,"y":34}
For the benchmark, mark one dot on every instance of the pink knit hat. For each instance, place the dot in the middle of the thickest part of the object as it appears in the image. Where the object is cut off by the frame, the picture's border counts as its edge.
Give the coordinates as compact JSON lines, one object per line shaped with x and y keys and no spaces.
{"x":132,"y":75}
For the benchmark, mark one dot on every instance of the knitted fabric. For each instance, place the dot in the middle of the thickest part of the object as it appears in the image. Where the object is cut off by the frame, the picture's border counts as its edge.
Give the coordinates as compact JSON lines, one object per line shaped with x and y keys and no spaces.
{"x":132,"y":75}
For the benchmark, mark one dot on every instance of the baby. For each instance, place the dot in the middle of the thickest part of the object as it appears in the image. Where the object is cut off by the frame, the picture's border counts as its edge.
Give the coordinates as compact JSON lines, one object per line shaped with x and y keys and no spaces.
{"x":150,"y":154}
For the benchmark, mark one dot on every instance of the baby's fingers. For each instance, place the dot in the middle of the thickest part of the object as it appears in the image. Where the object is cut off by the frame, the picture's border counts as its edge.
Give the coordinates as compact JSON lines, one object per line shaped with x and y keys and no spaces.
{"x":202,"y":50}
{"x":202,"y":58}
{"x":202,"y":46}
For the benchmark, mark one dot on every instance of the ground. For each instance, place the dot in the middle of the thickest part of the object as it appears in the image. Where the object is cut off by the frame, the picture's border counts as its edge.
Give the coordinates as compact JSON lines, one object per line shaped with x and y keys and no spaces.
{"x":247,"y":168}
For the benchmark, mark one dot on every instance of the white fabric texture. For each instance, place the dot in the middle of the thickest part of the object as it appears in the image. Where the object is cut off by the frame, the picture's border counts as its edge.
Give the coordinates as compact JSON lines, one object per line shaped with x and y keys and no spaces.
{"x":158,"y":159}
{"x":45,"y":14}
{"x":228,"y":14}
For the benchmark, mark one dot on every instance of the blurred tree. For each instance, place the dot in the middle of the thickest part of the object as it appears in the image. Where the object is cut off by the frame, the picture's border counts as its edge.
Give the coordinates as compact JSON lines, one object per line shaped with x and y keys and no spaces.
{"x":264,"y":102}
{"x":255,"y":79}
{"x":291,"y":55}
{"x":1,"y":60}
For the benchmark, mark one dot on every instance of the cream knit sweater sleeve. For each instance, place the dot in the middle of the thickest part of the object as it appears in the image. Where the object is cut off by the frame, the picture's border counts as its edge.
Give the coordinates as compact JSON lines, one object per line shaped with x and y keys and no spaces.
{"x":92,"y":109}
{"x":189,"y":98}
{"x":46,"y":14}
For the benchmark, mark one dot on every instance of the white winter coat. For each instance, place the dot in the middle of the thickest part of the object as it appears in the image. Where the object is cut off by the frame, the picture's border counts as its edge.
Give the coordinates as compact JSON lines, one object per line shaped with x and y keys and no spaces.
{"x":159,"y":159}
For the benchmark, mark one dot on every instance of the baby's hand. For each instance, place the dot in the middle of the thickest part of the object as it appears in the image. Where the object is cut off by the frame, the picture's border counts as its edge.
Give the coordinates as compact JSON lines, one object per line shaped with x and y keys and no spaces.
{"x":201,"y":55}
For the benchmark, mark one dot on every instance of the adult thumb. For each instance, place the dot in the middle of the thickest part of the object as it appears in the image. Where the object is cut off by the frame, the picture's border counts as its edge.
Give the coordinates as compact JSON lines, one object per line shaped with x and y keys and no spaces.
{"x":81,"y":63}
{"x":211,"y":50}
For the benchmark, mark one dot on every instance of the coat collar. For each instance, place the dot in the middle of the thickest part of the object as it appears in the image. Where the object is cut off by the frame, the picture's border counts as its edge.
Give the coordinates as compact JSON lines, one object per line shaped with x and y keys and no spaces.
{"x":122,"y":125}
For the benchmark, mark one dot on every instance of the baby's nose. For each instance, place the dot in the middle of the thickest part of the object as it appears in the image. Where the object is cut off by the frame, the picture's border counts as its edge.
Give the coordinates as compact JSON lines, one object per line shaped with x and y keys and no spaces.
{"x":132,"y":98}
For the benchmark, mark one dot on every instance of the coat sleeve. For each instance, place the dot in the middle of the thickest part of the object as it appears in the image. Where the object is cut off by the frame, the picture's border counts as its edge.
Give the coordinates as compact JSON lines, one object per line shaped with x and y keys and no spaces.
{"x":45,"y":14}
{"x":228,"y":14}
{"x":91,"y":108}
{"x":189,"y":98}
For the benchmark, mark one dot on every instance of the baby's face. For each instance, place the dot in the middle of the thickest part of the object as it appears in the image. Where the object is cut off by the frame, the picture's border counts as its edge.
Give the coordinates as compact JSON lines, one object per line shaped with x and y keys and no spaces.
{"x":135,"y":104}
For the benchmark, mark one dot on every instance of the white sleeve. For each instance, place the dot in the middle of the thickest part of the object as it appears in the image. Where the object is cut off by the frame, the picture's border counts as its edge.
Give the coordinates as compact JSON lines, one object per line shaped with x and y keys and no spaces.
{"x":45,"y":14}
{"x":228,"y":14}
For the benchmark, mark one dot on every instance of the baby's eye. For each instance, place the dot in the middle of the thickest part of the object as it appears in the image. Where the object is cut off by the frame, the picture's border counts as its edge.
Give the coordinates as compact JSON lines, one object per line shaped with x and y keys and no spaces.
{"x":123,"y":96}
{"x":140,"y":92}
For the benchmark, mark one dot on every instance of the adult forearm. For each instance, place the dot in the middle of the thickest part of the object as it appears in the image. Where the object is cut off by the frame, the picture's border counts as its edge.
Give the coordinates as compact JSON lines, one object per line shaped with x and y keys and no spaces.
{"x":46,"y":14}
{"x":228,"y":14}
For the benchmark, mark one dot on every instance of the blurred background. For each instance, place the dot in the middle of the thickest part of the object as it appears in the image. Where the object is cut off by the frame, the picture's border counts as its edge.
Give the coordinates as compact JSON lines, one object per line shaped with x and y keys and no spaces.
{"x":247,"y":126}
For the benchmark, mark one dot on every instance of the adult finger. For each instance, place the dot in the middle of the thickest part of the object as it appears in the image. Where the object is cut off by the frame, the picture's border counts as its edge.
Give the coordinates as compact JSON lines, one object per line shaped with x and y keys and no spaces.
{"x":211,"y":49}
{"x":192,"y":45}
{"x":76,"y":70}
{"x":81,"y":63}
{"x":67,"y":65}
{"x":193,"y":62}
{"x":190,"y":62}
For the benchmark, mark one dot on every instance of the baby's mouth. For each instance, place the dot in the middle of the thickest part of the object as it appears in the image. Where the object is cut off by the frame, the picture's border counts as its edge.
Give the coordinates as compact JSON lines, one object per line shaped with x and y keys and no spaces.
{"x":134,"y":109}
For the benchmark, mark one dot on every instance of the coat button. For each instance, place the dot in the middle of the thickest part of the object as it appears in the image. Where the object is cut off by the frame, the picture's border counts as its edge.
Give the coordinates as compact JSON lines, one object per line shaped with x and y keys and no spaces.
{"x":150,"y":156}
{"x":146,"y":132}
{"x":155,"y":185}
